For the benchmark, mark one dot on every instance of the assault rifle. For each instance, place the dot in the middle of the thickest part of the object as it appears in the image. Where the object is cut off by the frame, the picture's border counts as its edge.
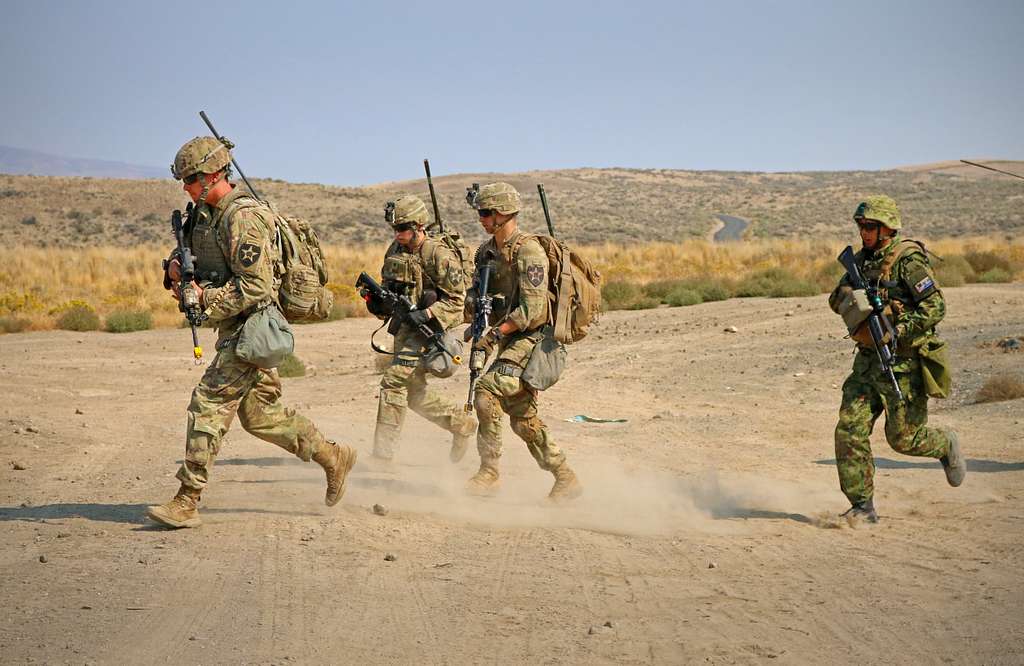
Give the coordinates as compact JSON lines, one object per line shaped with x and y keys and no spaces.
{"x":985,"y":166}
{"x":878,"y":324}
{"x":400,"y":306}
{"x":433,"y":197}
{"x":188,"y":298}
{"x":229,"y":145}
{"x":481,"y":316}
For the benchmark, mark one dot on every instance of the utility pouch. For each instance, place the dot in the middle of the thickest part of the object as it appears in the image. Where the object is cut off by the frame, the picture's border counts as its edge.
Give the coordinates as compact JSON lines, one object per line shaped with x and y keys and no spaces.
{"x":440,"y":364}
{"x":935,"y":373}
{"x":265,"y":339}
{"x":854,"y":308}
{"x":547,"y":362}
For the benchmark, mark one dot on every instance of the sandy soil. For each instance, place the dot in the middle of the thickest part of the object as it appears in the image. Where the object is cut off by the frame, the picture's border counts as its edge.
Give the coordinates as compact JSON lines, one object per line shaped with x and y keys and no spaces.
{"x":707,"y":531}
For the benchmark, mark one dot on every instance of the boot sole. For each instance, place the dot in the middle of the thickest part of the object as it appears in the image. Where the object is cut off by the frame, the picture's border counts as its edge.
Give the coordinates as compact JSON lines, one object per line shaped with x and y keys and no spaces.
{"x":155,"y":515}
{"x":344,"y":479}
{"x":951,"y":471}
{"x":573,"y":493}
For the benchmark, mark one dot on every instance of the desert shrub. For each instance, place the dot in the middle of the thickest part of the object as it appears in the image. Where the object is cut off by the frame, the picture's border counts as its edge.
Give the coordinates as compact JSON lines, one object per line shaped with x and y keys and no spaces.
{"x":79,"y":316}
{"x":76,"y":215}
{"x":1001,"y":387}
{"x":29,"y":221}
{"x":995,"y":274}
{"x":292,"y":366}
{"x":126,"y":321}
{"x":13,"y":324}
{"x":643,"y":303}
{"x":709,"y":289}
{"x":775,"y":283}
{"x":619,"y":295}
{"x":20,"y":301}
{"x":983,"y":262}
{"x":953,"y":271}
{"x":683,"y":296}
{"x":660,"y":289}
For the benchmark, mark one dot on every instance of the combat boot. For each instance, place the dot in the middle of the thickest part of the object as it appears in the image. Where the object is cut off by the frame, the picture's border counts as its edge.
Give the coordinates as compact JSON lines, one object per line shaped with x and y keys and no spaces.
{"x":485,"y":482}
{"x":337,"y":462}
{"x":861,"y":512}
{"x":460,"y":442}
{"x":954,"y":463}
{"x":567,"y":486}
{"x":181,"y":511}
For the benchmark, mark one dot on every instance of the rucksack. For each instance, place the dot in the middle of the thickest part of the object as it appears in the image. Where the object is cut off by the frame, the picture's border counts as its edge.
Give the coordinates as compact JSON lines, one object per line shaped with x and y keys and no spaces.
{"x":303,"y":296}
{"x":575,"y":287}
{"x":453,"y":241}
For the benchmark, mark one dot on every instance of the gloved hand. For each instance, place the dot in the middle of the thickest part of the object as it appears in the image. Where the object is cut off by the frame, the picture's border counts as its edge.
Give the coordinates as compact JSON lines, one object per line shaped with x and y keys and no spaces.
{"x":489,"y":341}
{"x":419,"y":317}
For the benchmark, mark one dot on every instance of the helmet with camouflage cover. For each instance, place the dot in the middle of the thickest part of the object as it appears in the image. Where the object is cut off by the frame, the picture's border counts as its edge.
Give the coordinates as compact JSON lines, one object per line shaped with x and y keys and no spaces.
{"x":406,"y":209}
{"x":879,"y":208}
{"x":501,"y":197}
{"x":203,"y":154}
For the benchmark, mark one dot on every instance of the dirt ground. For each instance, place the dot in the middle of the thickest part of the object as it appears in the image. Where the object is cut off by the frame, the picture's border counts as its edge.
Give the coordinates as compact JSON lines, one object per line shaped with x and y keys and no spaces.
{"x":707,"y":532}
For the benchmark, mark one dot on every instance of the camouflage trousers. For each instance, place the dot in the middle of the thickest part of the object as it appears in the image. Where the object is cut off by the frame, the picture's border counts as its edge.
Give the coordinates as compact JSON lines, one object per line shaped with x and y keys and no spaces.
{"x":228,"y":387}
{"x":498,"y":394}
{"x":867,"y":392}
{"x":405,"y":386}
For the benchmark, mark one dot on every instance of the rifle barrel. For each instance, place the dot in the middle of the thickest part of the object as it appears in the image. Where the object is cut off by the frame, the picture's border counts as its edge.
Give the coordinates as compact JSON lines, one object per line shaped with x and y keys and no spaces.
{"x":433,"y":196}
{"x":984,"y":166}
{"x":206,"y":119}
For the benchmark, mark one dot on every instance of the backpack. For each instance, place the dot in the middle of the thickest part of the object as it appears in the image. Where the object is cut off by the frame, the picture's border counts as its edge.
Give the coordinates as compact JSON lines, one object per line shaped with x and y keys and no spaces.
{"x":574,"y":285}
{"x":303,"y":295}
{"x":453,"y":241}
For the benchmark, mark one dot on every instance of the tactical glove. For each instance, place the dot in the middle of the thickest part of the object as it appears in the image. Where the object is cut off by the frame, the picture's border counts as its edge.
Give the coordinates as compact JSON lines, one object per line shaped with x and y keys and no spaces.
{"x":489,"y":341}
{"x":419,"y":317}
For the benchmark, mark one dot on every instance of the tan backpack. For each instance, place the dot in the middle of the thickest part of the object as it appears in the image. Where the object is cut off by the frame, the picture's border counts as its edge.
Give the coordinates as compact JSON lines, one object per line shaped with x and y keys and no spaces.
{"x":575,"y":288}
{"x":303,"y":296}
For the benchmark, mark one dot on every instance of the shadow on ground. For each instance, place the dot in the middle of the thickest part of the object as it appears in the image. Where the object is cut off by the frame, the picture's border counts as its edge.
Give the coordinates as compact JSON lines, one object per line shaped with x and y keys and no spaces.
{"x":130,"y":514}
{"x":973,"y":465}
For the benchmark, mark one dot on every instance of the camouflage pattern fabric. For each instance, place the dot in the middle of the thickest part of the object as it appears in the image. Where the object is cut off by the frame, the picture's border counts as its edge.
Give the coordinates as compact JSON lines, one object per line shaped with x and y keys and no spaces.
{"x":404,"y":384}
{"x":879,"y":208}
{"x":522,"y":279}
{"x":918,"y":305}
{"x":242,"y":249}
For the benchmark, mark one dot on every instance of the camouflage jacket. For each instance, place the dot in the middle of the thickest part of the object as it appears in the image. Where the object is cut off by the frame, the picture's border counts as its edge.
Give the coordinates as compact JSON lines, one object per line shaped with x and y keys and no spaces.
{"x":519,"y":284}
{"x":235,"y":257}
{"x":433,"y":266}
{"x":910,"y":289}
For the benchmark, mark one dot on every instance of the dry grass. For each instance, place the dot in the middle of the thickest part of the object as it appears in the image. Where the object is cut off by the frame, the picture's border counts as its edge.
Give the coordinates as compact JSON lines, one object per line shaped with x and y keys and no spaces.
{"x":38,"y":284}
{"x":1000,"y":388}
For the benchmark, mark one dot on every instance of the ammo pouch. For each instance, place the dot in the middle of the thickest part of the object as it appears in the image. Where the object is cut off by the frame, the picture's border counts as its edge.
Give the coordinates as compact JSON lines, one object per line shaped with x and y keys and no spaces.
{"x":440,"y":364}
{"x":853,"y":307}
{"x":547,"y":362}
{"x":935,"y":374}
{"x":265,"y":339}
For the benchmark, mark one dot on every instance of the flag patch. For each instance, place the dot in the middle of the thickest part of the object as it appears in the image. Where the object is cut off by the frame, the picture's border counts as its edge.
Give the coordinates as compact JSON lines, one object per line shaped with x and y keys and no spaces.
{"x":924,"y":285}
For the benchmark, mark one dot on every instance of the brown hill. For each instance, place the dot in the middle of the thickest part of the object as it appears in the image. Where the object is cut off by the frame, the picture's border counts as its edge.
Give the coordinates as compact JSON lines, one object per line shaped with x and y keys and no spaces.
{"x":588,"y":205}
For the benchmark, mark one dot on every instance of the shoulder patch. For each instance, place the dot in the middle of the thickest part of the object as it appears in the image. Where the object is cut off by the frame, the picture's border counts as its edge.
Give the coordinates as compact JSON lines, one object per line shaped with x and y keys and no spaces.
{"x":924,"y":285}
{"x":249,"y":254}
{"x":535,"y":274}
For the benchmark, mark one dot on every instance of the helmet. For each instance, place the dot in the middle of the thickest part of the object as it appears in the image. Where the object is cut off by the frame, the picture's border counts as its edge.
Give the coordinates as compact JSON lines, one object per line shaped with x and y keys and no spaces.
{"x":409,"y":208}
{"x":501,"y":197}
{"x":879,"y":208}
{"x":203,"y":154}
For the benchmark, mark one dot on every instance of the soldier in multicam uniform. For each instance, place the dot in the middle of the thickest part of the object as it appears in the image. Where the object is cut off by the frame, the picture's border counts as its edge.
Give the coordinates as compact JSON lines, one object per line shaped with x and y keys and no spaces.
{"x":416,"y":264}
{"x":236,"y":259}
{"x":907,"y":286}
{"x":519,"y":284}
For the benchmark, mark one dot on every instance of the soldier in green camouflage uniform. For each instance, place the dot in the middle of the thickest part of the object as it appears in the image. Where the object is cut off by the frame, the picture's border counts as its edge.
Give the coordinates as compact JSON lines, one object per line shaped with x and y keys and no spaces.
{"x":415,"y":264}
{"x":519,"y":284}
{"x":907,"y":286}
{"x":236,"y":261}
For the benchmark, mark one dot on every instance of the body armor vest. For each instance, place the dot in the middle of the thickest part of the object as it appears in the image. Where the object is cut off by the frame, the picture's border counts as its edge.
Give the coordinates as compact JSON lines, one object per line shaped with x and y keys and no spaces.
{"x":211,"y":264}
{"x":402,"y":273}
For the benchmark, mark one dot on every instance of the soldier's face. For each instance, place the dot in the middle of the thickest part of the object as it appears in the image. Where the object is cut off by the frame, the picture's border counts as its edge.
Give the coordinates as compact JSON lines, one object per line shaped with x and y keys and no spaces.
{"x":870,"y":234}
{"x":406,"y":236}
{"x":488,"y":219}
{"x":194,"y":184}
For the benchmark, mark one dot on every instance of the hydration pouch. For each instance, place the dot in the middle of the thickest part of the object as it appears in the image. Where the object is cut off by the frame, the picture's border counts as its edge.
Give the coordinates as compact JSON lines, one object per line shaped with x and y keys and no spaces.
{"x":440,"y":364}
{"x":547,"y":362}
{"x":854,"y":308}
{"x":265,"y":339}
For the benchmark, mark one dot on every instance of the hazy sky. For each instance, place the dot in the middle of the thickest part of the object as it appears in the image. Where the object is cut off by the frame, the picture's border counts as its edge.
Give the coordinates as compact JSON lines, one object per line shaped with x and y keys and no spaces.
{"x":356,"y":93}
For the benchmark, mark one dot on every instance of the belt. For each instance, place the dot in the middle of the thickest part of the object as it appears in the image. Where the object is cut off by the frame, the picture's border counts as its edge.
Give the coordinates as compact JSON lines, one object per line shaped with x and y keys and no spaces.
{"x":407,"y":362}
{"x":506,"y":368}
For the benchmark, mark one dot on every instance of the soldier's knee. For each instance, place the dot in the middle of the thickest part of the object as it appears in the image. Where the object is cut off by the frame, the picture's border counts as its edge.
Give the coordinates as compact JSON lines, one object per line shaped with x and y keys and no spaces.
{"x":395,"y":377}
{"x":901,"y":441}
{"x":488,"y":408}
{"x":528,"y":429}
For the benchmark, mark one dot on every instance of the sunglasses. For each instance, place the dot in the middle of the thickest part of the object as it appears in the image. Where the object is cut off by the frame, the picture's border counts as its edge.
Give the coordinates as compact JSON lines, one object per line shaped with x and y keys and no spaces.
{"x":869,"y":226}
{"x":404,"y":226}
{"x":485,"y":212}
{"x":188,"y":180}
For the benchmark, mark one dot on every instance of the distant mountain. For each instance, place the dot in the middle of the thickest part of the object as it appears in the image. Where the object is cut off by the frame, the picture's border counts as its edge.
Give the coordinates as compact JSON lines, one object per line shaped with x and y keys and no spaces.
{"x":18,"y":161}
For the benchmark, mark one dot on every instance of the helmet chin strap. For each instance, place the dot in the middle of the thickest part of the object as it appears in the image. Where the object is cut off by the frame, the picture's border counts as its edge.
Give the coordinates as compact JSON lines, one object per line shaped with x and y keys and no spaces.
{"x":207,"y":186}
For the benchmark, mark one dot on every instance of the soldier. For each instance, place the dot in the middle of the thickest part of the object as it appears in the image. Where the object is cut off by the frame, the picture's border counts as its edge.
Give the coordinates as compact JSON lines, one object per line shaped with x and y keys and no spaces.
{"x":426,"y":270}
{"x":519,"y":284}
{"x":233,"y":238}
{"x":908,"y":288}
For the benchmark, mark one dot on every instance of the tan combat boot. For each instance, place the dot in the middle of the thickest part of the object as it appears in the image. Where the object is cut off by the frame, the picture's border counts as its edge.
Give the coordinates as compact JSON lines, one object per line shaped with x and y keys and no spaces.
{"x":337,"y":462}
{"x":567,"y":486}
{"x":485,"y":482}
{"x":181,"y":511}
{"x":460,"y":442}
